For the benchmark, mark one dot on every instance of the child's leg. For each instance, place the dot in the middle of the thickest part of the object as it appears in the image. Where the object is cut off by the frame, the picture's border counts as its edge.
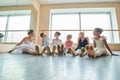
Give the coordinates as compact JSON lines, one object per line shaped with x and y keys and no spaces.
{"x":72,"y":51}
{"x":82,"y":51}
{"x":67,"y":50}
{"x":58,"y":49}
{"x":77,"y":52}
{"x":10,"y":51}
{"x":101,"y":52}
{"x":42,"y":50}
{"x":53,"y":50}
{"x":48,"y":49}
{"x":16,"y":47}
{"x":62,"y":48}
{"x":92,"y":52}
{"x":28,"y":51}
{"x":87,"y":47}
{"x":37,"y":49}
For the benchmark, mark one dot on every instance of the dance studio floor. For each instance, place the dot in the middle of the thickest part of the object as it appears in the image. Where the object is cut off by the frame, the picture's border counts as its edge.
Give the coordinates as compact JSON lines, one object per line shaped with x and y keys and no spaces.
{"x":28,"y":67}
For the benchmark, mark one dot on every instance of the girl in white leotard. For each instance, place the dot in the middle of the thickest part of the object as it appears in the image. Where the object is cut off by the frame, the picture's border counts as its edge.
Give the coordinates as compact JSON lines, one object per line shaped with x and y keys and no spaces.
{"x":100,"y":43}
{"x":57,"y":46}
{"x":26,"y":44}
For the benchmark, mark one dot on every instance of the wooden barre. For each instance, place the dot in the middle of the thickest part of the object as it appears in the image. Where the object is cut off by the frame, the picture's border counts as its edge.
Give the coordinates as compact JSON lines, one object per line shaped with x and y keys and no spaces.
{"x":76,"y":30}
{"x":12,"y":30}
{"x":50,"y":30}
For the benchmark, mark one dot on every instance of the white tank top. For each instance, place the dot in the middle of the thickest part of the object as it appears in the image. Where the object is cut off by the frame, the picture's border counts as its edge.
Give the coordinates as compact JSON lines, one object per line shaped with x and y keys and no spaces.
{"x":99,"y":43}
{"x":56,"y":42}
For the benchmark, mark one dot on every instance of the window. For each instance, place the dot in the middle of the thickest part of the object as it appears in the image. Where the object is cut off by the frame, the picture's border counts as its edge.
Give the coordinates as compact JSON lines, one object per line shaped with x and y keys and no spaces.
{"x":65,"y":22}
{"x":73,"y":23}
{"x":3,"y":21}
{"x":91,"y":21}
{"x":14,"y":27}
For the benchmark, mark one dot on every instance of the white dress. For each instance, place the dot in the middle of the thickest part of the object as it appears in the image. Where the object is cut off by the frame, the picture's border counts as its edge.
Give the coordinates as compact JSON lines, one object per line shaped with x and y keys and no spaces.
{"x":27,"y":44}
{"x":100,"y":48}
{"x":57,"y":42}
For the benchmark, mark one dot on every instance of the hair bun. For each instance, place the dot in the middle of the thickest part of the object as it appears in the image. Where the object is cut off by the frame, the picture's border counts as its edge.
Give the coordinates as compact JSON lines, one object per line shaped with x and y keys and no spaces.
{"x":99,"y":30}
{"x":30,"y":31}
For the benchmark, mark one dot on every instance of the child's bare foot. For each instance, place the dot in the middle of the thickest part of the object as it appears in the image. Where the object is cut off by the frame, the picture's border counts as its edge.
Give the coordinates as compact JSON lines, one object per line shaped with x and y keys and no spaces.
{"x":92,"y":51}
{"x":87,"y":50}
{"x":58,"y":49}
{"x":91,"y":48}
{"x":72,"y":51}
{"x":62,"y":48}
{"x":82,"y":51}
{"x":10,"y":51}
{"x":87,"y":47}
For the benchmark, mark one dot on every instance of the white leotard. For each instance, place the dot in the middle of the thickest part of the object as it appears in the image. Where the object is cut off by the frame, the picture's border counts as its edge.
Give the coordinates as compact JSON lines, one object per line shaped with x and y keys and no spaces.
{"x":100,"y":48}
{"x":56,"y":42}
{"x":26,"y":44}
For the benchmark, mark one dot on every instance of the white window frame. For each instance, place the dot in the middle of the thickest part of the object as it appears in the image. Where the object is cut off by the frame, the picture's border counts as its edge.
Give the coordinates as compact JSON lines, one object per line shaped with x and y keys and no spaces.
{"x":110,"y":11}
{"x":13,"y":13}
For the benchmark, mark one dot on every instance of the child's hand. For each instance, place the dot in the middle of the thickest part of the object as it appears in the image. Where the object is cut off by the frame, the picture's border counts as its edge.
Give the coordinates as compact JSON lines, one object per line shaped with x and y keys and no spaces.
{"x":114,"y":54}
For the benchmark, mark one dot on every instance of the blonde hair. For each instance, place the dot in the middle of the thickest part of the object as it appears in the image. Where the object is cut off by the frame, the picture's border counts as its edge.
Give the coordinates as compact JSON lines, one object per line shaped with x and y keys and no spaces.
{"x":81,"y":33}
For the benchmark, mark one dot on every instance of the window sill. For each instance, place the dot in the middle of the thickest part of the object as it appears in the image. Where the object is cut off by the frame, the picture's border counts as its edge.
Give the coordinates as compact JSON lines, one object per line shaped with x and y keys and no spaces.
{"x":8,"y":43}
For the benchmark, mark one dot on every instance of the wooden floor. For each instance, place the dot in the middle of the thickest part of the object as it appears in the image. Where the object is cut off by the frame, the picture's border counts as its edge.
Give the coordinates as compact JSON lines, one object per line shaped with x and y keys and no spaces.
{"x":28,"y":67}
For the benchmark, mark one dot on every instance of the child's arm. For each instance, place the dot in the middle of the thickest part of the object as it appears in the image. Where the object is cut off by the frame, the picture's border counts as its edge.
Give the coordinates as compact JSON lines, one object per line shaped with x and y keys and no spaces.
{"x":106,"y":45}
{"x":21,"y":41}
{"x":18,"y":44}
{"x":60,"y":41}
{"x":78,"y":42}
{"x":94,"y":44}
{"x":42,"y":41}
{"x":87,"y":39}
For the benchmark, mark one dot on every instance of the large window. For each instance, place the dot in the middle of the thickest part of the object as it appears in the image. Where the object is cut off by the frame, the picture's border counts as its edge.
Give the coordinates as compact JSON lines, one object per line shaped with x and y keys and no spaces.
{"x":101,"y":20}
{"x":83,"y":22}
{"x":3,"y":21}
{"x":65,"y":22}
{"x":14,"y":27}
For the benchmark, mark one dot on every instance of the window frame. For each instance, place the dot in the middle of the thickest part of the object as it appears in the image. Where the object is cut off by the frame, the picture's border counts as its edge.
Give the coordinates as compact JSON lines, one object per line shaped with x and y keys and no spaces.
{"x":6,"y":28}
{"x":79,"y":13}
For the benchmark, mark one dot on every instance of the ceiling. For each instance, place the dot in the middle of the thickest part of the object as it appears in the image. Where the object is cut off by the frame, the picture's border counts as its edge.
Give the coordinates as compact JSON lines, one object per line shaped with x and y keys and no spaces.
{"x":28,"y":2}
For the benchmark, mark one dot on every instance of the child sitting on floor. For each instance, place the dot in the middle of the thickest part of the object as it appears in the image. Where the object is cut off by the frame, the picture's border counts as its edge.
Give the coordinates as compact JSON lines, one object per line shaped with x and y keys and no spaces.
{"x":56,"y":45}
{"x":100,"y":44}
{"x":45,"y":39}
{"x":82,"y":42}
{"x":27,"y":45}
{"x":68,"y":43}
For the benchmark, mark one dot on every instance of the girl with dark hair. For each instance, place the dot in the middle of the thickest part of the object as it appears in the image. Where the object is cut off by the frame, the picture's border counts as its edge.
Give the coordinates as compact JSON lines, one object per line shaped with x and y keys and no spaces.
{"x":27,"y":45}
{"x":57,"y":46}
{"x":56,"y":41}
{"x":45,"y":39}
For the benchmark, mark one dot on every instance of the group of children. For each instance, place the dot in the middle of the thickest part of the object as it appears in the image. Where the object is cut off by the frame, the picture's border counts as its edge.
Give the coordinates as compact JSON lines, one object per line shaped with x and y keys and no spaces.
{"x":57,"y":47}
